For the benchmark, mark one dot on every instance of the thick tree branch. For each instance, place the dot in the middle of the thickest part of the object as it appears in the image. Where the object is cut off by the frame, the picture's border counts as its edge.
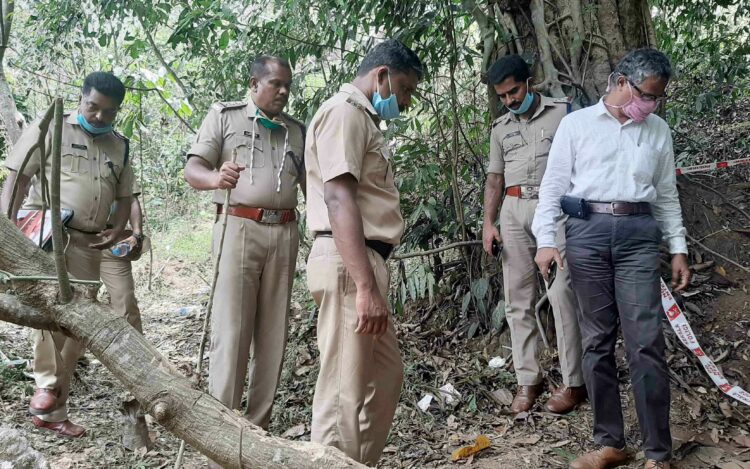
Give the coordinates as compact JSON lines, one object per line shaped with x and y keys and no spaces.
{"x":197,"y":418}
{"x":188,"y":94}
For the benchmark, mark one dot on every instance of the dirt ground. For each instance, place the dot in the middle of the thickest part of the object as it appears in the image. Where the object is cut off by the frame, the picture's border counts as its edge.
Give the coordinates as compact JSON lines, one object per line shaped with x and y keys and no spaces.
{"x":709,"y":429}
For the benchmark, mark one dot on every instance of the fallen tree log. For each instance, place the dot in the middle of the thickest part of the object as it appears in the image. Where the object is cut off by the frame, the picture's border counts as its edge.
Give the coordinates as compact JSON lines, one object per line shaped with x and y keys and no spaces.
{"x":199,"y":419}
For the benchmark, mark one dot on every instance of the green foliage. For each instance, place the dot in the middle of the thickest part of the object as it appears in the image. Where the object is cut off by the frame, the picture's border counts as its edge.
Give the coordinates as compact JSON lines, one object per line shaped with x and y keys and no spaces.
{"x":708,"y":44}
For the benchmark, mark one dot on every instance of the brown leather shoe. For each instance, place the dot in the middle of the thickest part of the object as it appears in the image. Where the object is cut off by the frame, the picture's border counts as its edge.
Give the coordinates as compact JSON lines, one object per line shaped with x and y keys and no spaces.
{"x":43,"y":401}
{"x":525,"y":398}
{"x":603,"y":458}
{"x":66,"y":428}
{"x":653,"y":464}
{"x":565,"y":399}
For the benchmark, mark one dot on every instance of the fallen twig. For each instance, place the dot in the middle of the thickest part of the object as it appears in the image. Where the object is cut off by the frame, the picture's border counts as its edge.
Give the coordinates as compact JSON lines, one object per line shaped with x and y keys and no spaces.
{"x":705,"y":248}
{"x":724,"y":197}
{"x":459,"y":244}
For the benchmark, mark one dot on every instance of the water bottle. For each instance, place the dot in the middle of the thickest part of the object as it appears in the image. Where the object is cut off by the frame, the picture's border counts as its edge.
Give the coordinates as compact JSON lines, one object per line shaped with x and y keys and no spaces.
{"x":121,"y":249}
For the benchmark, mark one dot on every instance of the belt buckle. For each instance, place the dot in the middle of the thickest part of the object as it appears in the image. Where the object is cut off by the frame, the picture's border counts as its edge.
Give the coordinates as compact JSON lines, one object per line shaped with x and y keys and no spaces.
{"x":529,"y":192}
{"x":614,"y":213}
{"x":271,"y":216}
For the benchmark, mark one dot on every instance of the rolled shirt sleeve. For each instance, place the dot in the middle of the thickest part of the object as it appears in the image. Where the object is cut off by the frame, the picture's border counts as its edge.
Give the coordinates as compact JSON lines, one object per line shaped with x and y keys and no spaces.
{"x":497,"y":163}
{"x":555,"y":184}
{"x":666,"y":209}
{"x":21,"y":148}
{"x":209,"y":139}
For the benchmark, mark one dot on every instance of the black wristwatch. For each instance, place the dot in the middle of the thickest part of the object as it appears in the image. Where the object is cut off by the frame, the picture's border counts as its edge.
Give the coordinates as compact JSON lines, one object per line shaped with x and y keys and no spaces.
{"x":138,"y":237}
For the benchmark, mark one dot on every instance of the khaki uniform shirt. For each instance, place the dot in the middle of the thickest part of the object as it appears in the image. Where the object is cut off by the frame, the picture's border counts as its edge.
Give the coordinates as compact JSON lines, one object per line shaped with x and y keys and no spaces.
{"x":519,"y":149}
{"x":345,"y":137}
{"x":230,"y":126}
{"x":93,"y":171}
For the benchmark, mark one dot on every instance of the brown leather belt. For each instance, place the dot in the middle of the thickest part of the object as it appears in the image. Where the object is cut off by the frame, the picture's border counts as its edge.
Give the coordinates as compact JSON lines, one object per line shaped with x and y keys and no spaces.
{"x":261,"y":215}
{"x":523,"y":192}
{"x":620,"y":208}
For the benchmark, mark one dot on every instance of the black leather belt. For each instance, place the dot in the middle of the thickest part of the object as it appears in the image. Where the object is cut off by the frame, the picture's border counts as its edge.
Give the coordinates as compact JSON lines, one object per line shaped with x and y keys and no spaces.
{"x":620,"y":208}
{"x":382,"y":248}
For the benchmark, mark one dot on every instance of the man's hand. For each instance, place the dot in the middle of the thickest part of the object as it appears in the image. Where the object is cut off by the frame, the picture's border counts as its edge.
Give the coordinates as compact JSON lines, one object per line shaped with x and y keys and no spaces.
{"x":372,"y":312}
{"x":228,"y":175}
{"x":108,"y":237}
{"x":680,"y":272}
{"x":490,"y":233}
{"x":544,"y":257}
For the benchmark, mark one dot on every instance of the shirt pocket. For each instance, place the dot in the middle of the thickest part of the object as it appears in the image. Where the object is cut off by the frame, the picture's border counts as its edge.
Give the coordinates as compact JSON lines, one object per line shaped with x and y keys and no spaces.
{"x":645,"y":162}
{"x":249,"y":150}
{"x":513,"y":145}
{"x":377,"y":168}
{"x":294,"y":161}
{"x":543,"y":144}
{"x":74,"y":160}
{"x":110,"y":170}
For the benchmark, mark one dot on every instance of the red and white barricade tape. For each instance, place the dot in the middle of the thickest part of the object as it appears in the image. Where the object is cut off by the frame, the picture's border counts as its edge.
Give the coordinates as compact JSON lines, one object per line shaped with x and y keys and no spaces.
{"x":699,"y":168}
{"x":682,"y":328}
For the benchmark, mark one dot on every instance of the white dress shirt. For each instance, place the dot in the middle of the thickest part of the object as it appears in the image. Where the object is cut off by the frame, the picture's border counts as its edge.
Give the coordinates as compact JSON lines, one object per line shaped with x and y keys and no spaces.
{"x":596,"y":158}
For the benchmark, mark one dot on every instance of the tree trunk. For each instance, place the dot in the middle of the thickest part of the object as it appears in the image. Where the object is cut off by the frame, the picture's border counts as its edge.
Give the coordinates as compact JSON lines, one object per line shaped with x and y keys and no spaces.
{"x":8,"y":110}
{"x":198,"y":418}
{"x":573,"y":45}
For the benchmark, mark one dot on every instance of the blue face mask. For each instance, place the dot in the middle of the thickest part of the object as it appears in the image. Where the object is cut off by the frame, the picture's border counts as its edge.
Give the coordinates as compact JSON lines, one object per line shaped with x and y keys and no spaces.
{"x":525,"y":105}
{"x":91,"y":129}
{"x":386,"y":108}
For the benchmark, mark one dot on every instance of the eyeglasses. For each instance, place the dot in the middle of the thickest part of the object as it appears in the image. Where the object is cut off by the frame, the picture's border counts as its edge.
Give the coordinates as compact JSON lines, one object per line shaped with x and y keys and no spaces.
{"x":647,"y":96}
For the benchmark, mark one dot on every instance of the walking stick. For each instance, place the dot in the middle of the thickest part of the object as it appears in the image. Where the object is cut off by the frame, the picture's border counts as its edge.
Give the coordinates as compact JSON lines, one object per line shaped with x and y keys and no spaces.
{"x":209,"y":306}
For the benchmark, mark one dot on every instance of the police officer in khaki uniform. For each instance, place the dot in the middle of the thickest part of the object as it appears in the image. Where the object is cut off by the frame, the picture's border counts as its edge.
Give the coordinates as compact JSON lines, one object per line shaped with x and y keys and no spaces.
{"x":95,"y":174}
{"x":253,"y":290}
{"x":520,"y":143}
{"x":354,"y":213}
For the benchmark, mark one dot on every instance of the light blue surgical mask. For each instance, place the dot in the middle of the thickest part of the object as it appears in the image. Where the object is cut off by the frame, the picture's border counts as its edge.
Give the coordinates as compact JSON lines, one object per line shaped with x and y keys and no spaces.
{"x":90,"y":128}
{"x":527,"y":102}
{"x":386,"y":108}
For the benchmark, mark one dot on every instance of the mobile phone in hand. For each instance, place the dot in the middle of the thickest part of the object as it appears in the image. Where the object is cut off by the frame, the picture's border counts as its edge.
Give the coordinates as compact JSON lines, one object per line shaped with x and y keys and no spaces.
{"x":496,"y":248}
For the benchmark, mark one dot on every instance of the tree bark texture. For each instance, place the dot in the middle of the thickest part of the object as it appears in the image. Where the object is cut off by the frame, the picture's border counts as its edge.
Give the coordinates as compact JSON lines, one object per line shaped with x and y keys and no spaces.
{"x":169,"y":397}
{"x":8,"y":110}
{"x":573,"y":45}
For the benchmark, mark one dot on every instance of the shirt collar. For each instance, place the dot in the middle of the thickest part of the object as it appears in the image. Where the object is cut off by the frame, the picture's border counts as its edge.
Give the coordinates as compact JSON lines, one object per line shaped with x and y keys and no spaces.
{"x":358,"y":96}
{"x":73,"y":118}
{"x":544,"y":103}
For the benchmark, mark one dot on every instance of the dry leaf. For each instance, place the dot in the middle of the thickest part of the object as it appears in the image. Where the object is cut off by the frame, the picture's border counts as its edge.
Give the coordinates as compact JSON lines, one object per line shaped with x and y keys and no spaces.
{"x":726,"y":409}
{"x":742,"y":441}
{"x":467,"y":451}
{"x":527,"y":440}
{"x":295,"y":431}
{"x":503,"y":396}
{"x":721,"y":271}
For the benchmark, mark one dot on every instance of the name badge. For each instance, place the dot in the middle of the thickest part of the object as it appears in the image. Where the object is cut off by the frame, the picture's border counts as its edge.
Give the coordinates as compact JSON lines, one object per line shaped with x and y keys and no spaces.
{"x":247,"y":133}
{"x":78,"y":146}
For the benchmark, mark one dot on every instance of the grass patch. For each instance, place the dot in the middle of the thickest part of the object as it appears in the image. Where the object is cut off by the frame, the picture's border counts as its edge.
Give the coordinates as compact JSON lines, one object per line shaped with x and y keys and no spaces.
{"x":186,"y":239}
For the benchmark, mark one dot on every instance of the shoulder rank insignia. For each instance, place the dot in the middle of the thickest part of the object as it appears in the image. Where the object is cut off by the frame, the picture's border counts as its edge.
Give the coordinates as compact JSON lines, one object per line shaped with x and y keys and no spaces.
{"x":225,"y":105}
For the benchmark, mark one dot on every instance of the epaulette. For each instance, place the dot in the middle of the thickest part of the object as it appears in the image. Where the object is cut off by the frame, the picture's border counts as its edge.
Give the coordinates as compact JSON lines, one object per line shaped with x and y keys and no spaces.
{"x":498,"y":120}
{"x":224,"y":105}
{"x":296,"y":121}
{"x":125,"y":140}
{"x":362,"y":108}
{"x":566,"y":101}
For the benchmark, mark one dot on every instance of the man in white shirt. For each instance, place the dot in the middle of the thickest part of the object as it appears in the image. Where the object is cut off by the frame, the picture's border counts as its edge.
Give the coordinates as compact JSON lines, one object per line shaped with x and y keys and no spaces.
{"x":611,"y":168}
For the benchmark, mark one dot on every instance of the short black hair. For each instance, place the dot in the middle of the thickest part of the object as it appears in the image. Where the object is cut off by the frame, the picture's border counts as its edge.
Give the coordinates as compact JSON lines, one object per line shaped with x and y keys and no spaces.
{"x":106,"y":84}
{"x":394,"y":55}
{"x":259,"y":67}
{"x":511,"y":65}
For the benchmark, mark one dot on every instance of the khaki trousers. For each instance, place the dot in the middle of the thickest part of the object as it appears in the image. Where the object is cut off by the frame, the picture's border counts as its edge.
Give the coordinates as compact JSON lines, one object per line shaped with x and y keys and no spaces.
{"x":250,"y":313}
{"x":360,"y":376}
{"x":55,"y":354}
{"x":520,"y":284}
{"x":117,"y":275}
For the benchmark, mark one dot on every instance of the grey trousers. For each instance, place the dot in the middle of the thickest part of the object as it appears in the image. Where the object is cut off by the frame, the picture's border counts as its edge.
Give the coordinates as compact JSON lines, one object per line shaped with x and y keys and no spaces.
{"x":614,"y":270}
